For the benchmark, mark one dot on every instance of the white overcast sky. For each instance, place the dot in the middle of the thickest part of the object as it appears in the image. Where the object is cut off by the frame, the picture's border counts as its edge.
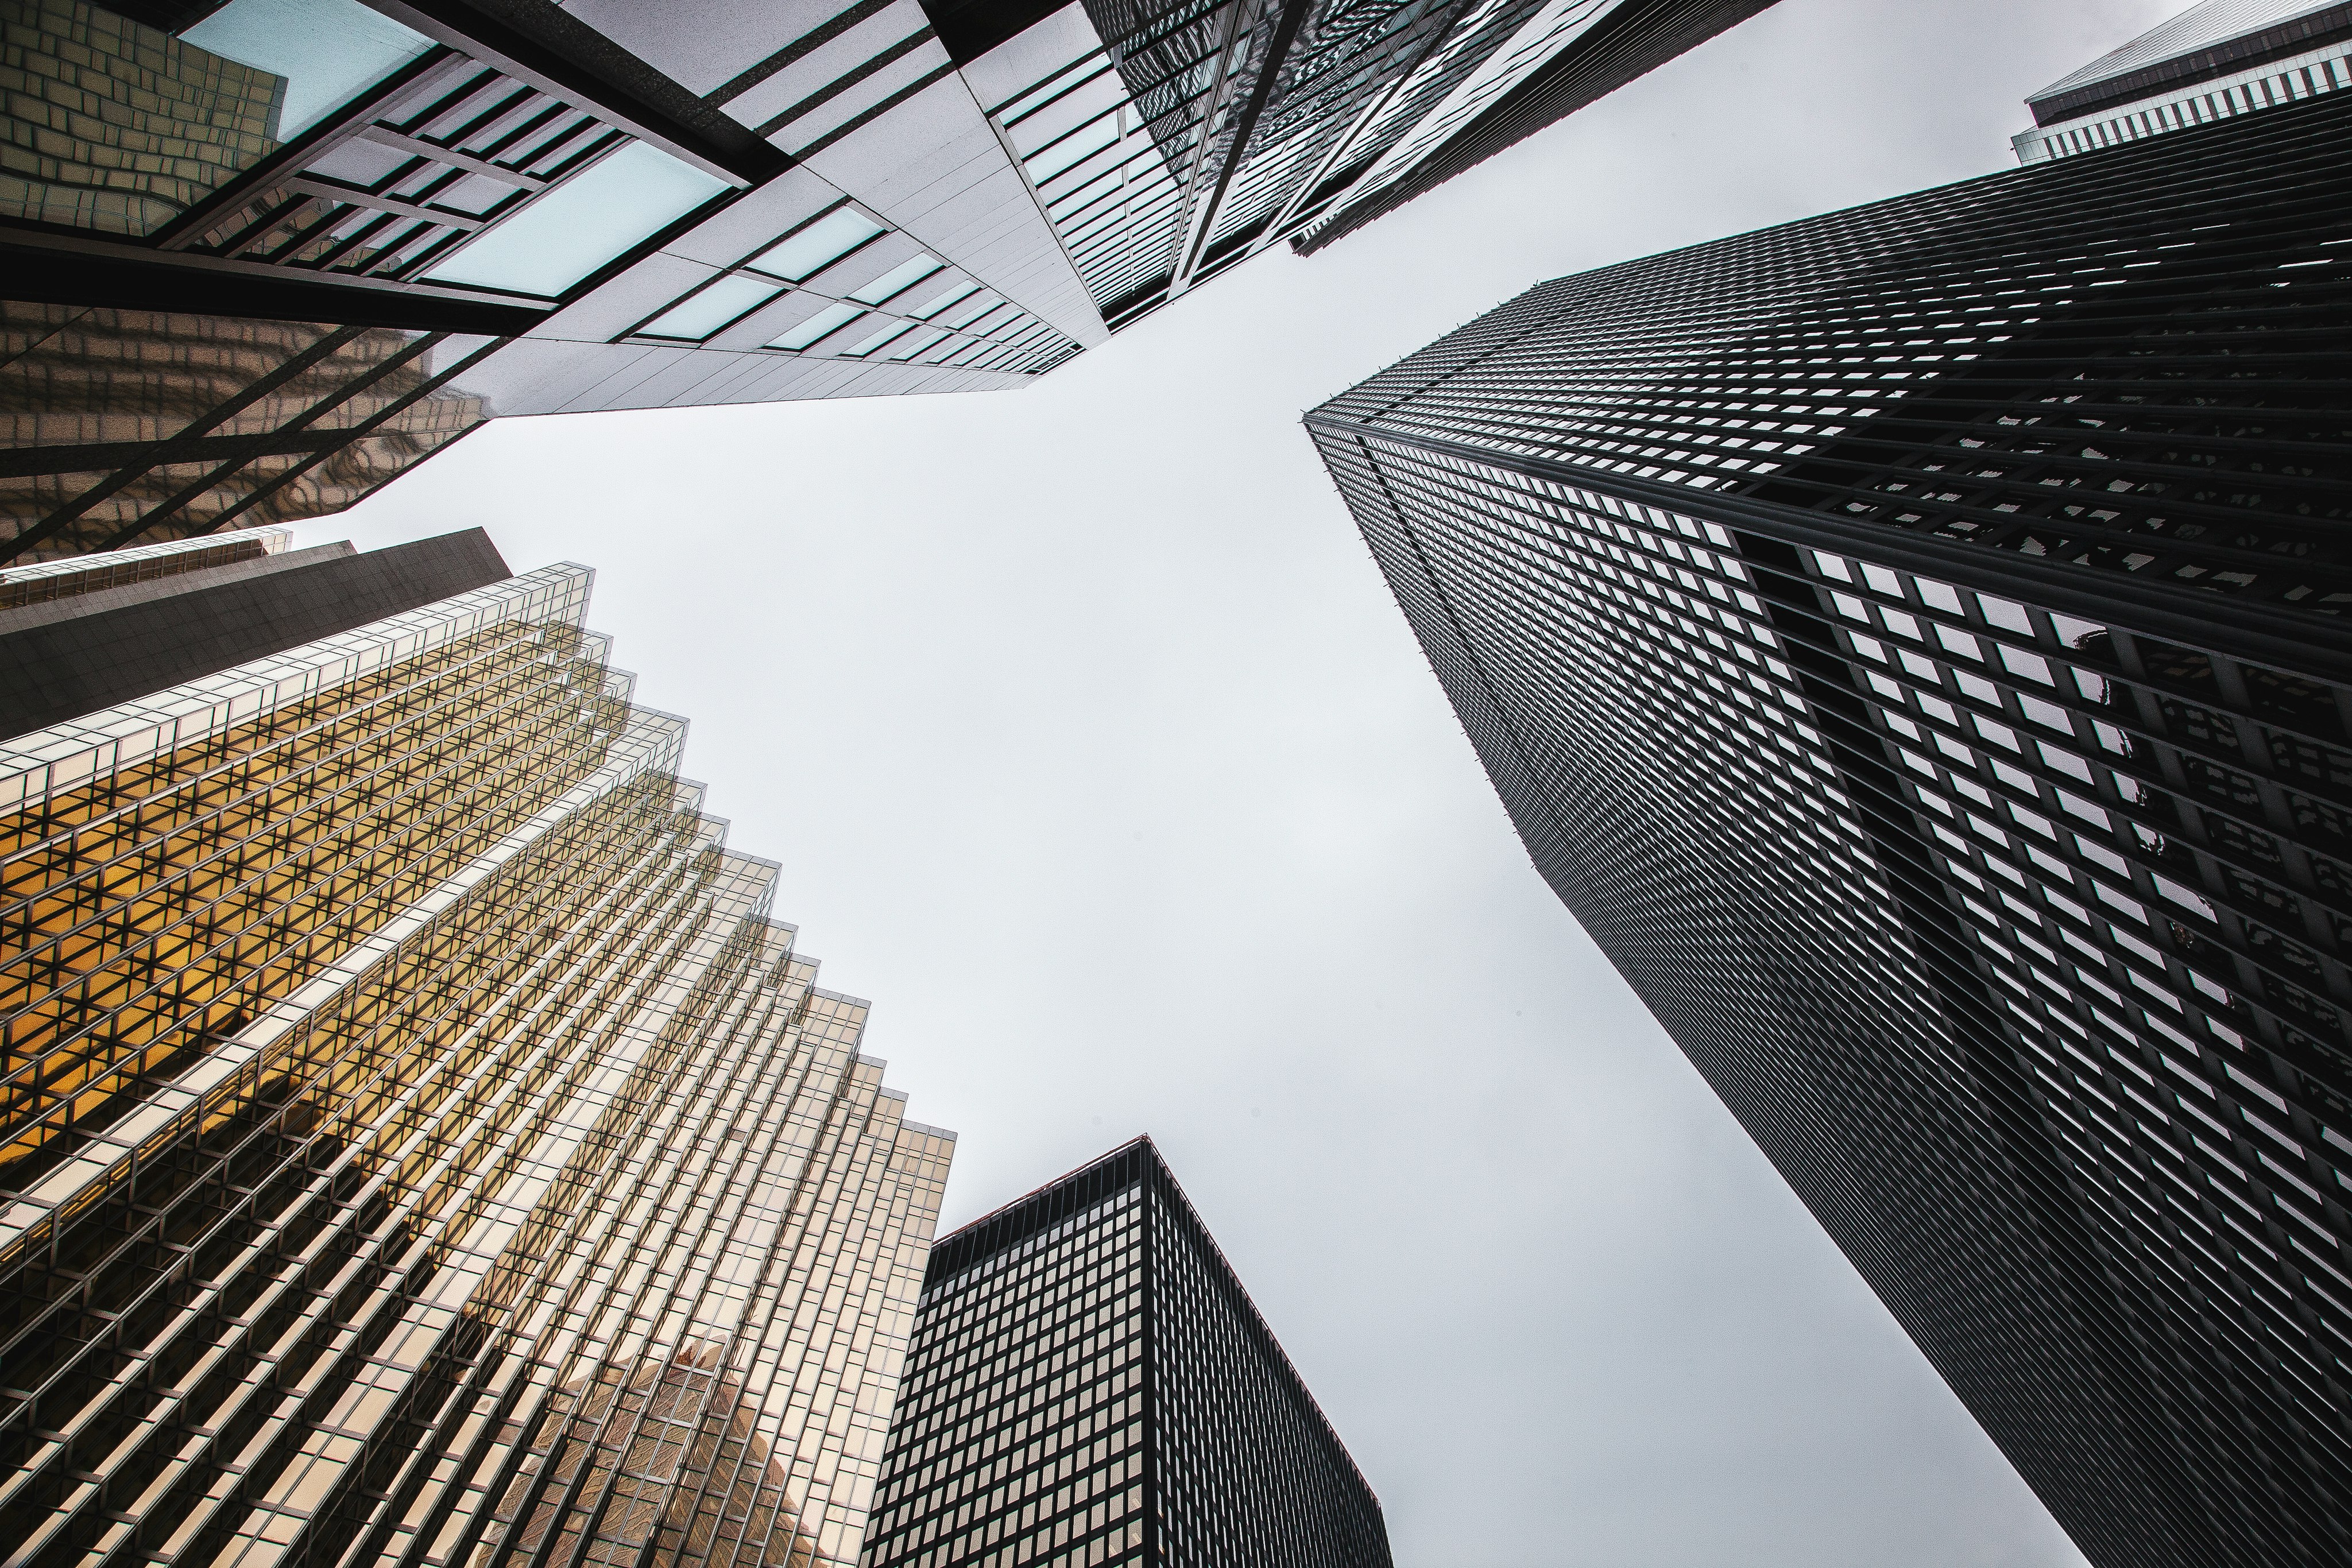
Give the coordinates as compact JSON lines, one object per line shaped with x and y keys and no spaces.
{"x":1096,"y":754}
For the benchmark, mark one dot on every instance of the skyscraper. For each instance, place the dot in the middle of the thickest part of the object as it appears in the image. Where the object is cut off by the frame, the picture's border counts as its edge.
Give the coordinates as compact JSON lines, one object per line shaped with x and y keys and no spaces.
{"x":2216,"y":59}
{"x":263,"y":255}
{"x":1911,"y":641}
{"x":420,"y":1145}
{"x":1089,"y":1384}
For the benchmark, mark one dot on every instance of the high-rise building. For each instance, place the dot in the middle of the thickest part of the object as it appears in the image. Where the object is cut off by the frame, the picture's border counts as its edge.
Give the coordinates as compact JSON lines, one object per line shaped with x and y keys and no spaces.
{"x":2216,"y":59}
{"x":262,"y":256}
{"x":1912,"y":642}
{"x":74,"y":641}
{"x":1089,"y":1384}
{"x":420,"y":1146}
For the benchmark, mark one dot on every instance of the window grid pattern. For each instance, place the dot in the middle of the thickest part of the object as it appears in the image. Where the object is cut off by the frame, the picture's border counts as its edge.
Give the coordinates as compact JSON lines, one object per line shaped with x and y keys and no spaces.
{"x":1102,"y":178}
{"x":1635,"y":37}
{"x":72,"y":577}
{"x":2206,"y":41}
{"x":1286,"y":1494}
{"x":2125,"y":362}
{"x":1019,"y":1435}
{"x":1345,"y":56}
{"x":1477,"y":72}
{"x":1090,"y":1384}
{"x":805,"y":99}
{"x":1978,"y":887}
{"x":1202,"y":134}
{"x":1889,"y":978}
{"x":944,"y":316}
{"x":551,"y":1208}
{"x":450,"y":147}
{"x":1188,"y":135}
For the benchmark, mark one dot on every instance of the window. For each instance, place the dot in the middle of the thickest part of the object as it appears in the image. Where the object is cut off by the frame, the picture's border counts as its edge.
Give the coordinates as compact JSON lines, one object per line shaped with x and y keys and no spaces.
{"x":956,"y":294}
{"x":974,"y":311}
{"x":698,"y":316}
{"x":817,"y":246}
{"x":890,"y":331}
{"x":830,"y":320}
{"x":577,"y":227}
{"x":916,"y":344}
{"x":898,"y":280}
{"x":328,"y":51}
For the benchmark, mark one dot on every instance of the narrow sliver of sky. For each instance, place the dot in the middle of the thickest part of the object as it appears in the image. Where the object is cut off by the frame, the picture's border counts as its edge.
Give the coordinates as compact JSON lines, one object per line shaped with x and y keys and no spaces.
{"x":1096,"y":754}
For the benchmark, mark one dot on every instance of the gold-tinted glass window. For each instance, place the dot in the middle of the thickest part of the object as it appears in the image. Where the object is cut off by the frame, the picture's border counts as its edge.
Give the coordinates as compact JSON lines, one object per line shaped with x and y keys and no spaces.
{"x":422,"y":1147}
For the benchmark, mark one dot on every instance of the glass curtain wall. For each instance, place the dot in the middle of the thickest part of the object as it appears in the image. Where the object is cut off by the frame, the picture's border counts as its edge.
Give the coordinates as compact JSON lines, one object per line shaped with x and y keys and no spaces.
{"x":418,"y":1142}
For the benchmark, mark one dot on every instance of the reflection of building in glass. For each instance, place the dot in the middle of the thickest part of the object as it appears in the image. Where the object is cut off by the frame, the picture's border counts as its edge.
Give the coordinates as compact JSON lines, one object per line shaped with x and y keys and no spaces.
{"x":690,"y":1423}
{"x":1089,"y":1384}
{"x":2216,"y":59}
{"x":117,"y":127}
{"x":1910,"y":640}
{"x":608,"y":205}
{"x":73,"y":577}
{"x":125,"y":425}
{"x":73,"y":642}
{"x":405,"y":1083}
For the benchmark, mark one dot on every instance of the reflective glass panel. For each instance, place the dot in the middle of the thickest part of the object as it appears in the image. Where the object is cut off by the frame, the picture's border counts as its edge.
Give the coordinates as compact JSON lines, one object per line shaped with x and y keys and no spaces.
{"x":569,"y":233}
{"x":327,"y":51}
{"x":1079,"y":145}
{"x":916,"y":344}
{"x":113,"y":127}
{"x":819,"y":245}
{"x":700,"y":314}
{"x":974,"y":311}
{"x":939,"y":302}
{"x":898,"y":280}
{"x":868,"y":345}
{"x":831,"y":319}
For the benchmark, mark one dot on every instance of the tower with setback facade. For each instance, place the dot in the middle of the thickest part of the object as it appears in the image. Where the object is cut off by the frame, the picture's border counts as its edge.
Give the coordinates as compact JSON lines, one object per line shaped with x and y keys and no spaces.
{"x":419,"y":1145}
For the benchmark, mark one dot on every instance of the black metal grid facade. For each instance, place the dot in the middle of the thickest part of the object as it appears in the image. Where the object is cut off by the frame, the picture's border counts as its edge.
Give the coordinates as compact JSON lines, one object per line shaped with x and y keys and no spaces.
{"x":417,"y":1145}
{"x":1089,"y":1384}
{"x":1983,"y":838}
{"x":2135,"y":363}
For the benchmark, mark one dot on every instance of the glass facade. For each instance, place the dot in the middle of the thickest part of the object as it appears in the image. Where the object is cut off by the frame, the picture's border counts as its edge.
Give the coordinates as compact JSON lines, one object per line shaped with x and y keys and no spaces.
{"x":417,"y":1144}
{"x":1910,"y":641}
{"x":1089,"y":1384}
{"x":71,"y":577}
{"x":2216,"y":59}
{"x":285,"y":259}
{"x":140,"y":426}
{"x":1546,"y":63}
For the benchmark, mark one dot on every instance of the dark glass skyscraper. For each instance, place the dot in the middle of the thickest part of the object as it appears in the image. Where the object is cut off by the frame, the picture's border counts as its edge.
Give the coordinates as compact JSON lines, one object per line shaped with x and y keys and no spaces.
{"x":1089,"y":1384}
{"x":1913,"y":641}
{"x":261,"y":255}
